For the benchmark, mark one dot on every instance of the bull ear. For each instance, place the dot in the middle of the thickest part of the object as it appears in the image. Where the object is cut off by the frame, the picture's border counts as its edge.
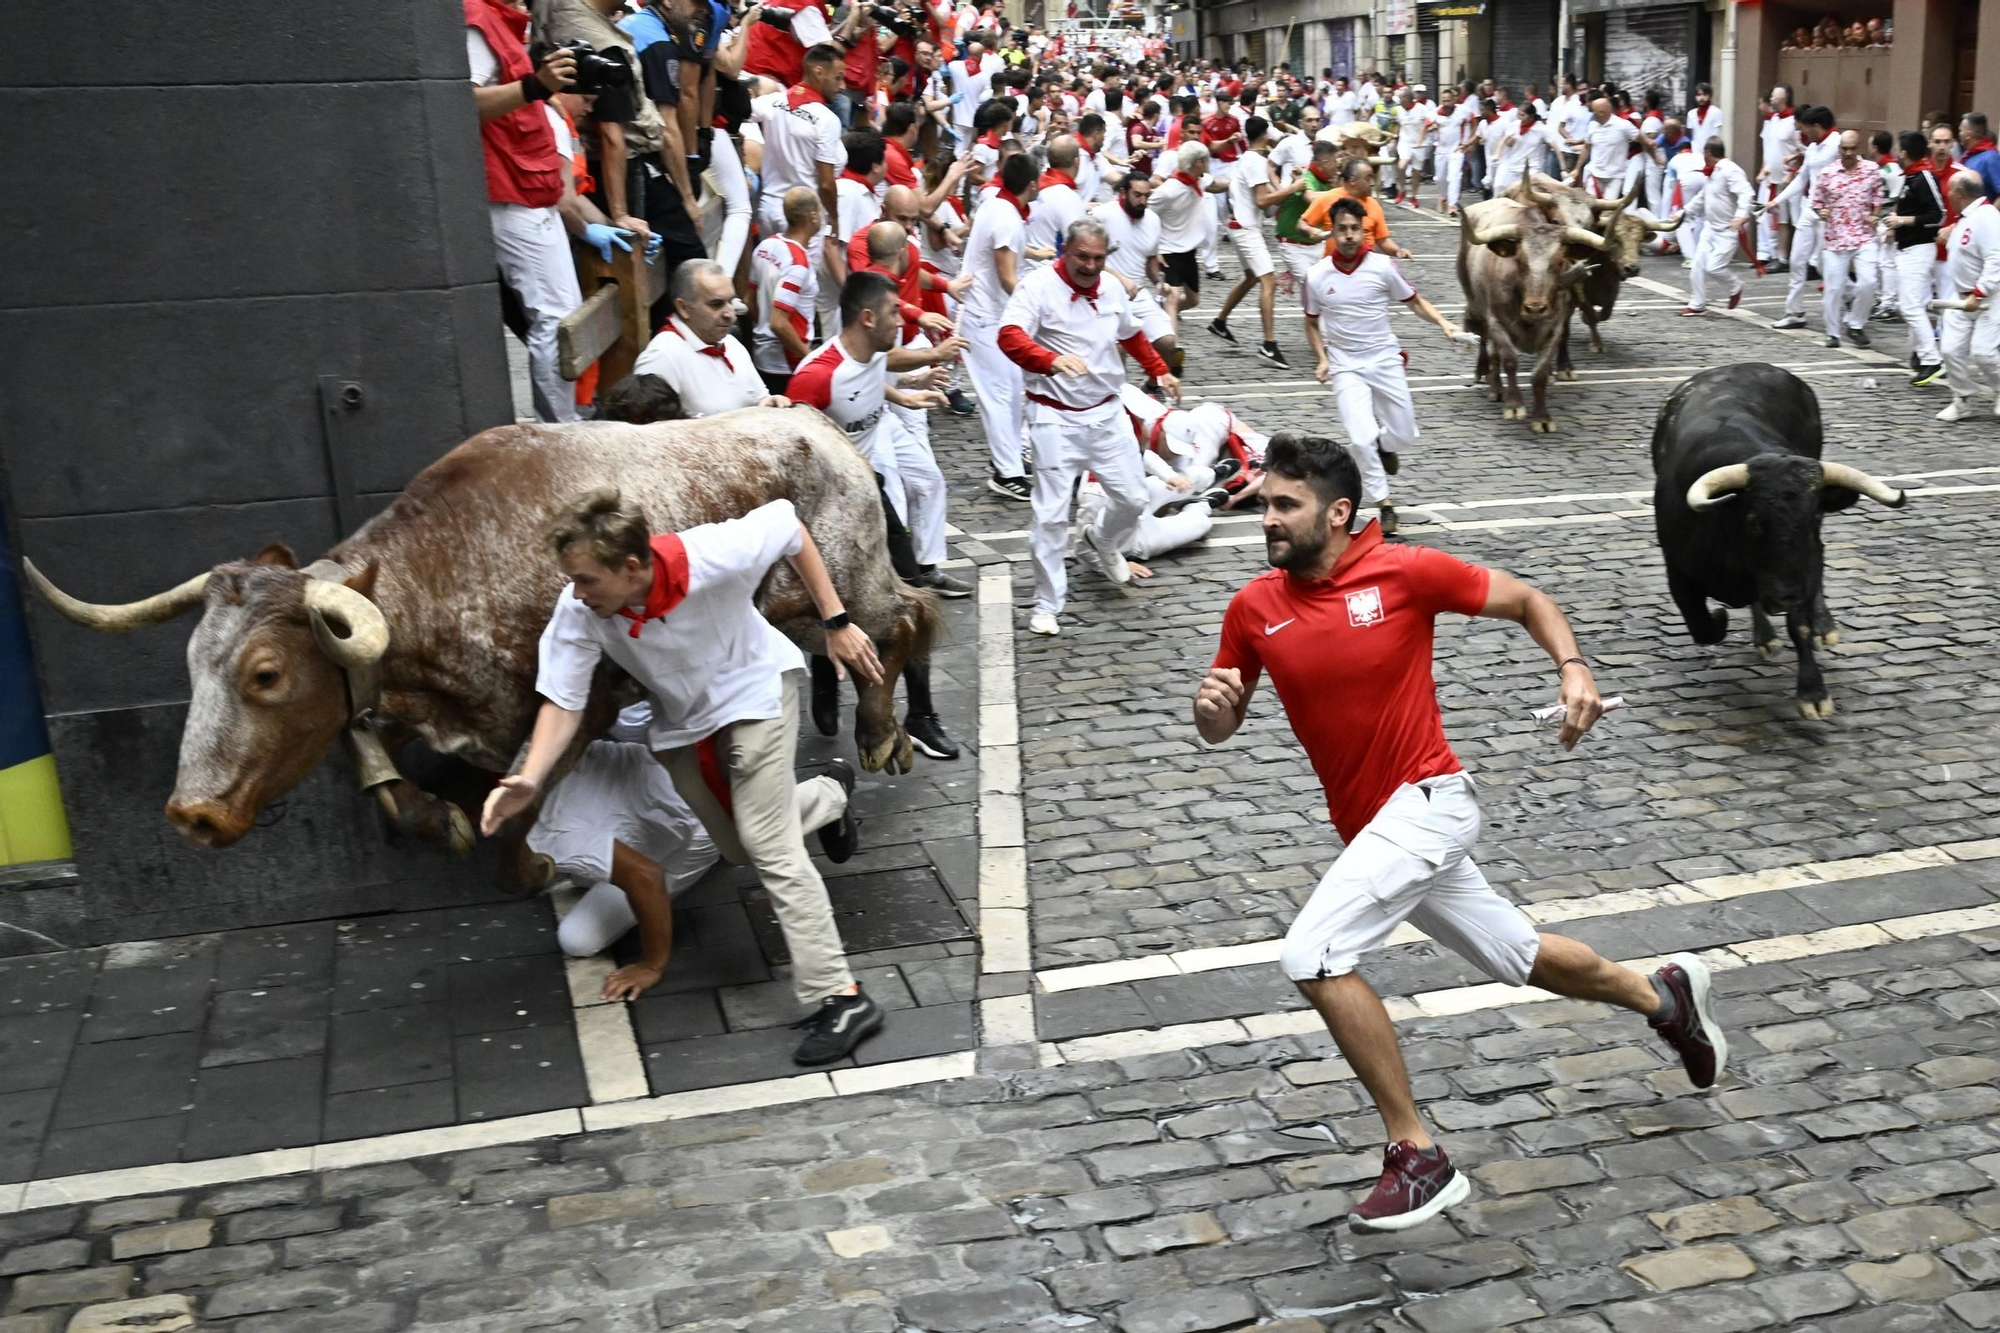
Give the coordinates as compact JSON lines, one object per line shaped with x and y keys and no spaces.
{"x":1833,"y":499}
{"x":364,"y":582}
{"x":1504,"y":249}
{"x":277,"y":553}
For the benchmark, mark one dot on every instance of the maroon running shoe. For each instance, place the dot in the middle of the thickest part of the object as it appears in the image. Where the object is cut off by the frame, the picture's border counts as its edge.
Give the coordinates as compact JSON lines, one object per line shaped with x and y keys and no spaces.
{"x":1416,"y":1185}
{"x":1692,"y":1031}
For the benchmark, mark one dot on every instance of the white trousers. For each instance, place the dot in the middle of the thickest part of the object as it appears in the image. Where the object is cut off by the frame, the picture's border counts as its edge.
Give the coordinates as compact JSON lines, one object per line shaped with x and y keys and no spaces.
{"x":996,"y":384}
{"x":1805,"y":252}
{"x":1454,"y":171}
{"x":1218,"y":216}
{"x":1373,"y":399}
{"x":1969,"y":341}
{"x":533,"y":250}
{"x":1849,"y":276}
{"x":1916,"y":288}
{"x":1711,"y":264}
{"x":1768,"y":224}
{"x":923,"y":489}
{"x":725,"y":214}
{"x":1068,"y":444}
{"x":1159,"y":533}
{"x":1888,"y":284}
{"x":1656,"y":181}
{"x":1413,"y":862}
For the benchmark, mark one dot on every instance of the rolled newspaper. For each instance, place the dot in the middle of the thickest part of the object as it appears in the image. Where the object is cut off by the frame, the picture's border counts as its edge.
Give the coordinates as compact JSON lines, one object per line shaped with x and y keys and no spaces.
{"x":1554,"y":712}
{"x":1935,"y":306}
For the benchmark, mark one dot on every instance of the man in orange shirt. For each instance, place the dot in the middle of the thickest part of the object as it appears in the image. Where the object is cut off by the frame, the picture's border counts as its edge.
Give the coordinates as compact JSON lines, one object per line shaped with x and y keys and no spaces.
{"x":1357,"y":182}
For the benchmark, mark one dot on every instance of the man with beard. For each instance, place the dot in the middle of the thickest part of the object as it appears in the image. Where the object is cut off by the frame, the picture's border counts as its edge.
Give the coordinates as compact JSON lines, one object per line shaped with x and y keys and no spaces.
{"x":1135,"y":260}
{"x":1344,"y":625}
{"x":1347,"y":299}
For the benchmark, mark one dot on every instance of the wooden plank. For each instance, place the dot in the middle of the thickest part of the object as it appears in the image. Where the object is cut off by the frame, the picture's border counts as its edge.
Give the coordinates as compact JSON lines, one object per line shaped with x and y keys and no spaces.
{"x":588,"y":331}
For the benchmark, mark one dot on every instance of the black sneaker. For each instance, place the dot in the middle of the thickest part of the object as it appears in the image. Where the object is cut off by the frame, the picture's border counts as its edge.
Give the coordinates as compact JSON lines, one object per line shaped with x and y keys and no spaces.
{"x":1385,"y":514}
{"x":1215,"y":275}
{"x":927,"y":733}
{"x":1776,"y":266}
{"x":1225,"y":468}
{"x":1221,"y":330}
{"x":1217,"y":496}
{"x":1392,"y":463}
{"x":840,"y":839}
{"x":1012,"y":488}
{"x":941,"y":583}
{"x":1269,"y":352}
{"x":1832,"y":341}
{"x":835,"y":1028}
{"x":825,"y":698}
{"x":961,"y":406}
{"x":1927,"y":375}
{"x":1859,"y":337}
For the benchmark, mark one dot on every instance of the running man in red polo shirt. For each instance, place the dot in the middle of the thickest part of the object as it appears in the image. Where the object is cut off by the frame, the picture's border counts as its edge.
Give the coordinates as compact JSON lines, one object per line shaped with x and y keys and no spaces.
{"x":1343,"y":624}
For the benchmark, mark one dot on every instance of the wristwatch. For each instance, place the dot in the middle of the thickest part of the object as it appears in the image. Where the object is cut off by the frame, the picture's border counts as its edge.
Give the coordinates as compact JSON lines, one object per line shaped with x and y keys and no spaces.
{"x":834,"y":622}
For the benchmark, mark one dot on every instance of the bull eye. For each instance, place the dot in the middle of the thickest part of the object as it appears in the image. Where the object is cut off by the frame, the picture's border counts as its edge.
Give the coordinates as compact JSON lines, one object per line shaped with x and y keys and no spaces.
{"x":266,"y":678}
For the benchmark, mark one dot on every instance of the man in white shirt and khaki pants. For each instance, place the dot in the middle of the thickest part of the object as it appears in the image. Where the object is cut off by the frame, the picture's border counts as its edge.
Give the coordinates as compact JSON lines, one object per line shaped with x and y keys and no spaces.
{"x":676,"y":611}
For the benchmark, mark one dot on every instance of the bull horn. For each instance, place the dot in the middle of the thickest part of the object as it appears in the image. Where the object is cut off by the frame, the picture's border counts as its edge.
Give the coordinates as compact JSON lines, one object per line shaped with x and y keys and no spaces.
{"x":121,"y":616}
{"x":1505,"y":231}
{"x":1854,"y":479}
{"x":1713,"y":488}
{"x":1382,"y":161}
{"x":1539,"y":198}
{"x":1576,"y":235}
{"x":1671,"y":224}
{"x":1611,"y":205}
{"x":330,"y":604}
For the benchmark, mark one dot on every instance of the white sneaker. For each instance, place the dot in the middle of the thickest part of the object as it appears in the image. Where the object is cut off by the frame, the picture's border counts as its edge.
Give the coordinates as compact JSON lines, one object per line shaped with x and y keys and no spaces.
{"x":1955,"y":410}
{"x":1111,"y":562}
{"x":1044,"y":622}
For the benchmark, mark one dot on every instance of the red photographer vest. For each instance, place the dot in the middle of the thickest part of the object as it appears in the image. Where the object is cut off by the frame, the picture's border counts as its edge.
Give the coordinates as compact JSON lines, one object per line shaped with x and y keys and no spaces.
{"x":522,"y":165}
{"x":775,"y":53}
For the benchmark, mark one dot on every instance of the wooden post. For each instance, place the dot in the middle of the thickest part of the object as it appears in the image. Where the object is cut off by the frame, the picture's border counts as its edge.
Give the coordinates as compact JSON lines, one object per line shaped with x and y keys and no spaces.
{"x":613,"y":325}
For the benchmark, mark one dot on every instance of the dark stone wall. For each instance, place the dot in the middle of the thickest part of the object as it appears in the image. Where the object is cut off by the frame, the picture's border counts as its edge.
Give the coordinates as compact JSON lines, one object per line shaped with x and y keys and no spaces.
{"x":220,"y":202}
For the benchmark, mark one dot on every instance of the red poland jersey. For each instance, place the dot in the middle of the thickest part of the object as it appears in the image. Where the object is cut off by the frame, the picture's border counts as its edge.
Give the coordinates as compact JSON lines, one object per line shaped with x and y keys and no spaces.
{"x":1350,"y":656}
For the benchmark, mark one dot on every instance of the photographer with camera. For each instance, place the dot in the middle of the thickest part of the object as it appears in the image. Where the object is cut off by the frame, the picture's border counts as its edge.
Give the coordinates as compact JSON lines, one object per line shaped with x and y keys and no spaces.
{"x":524,"y":185}
{"x":873,"y":41}
{"x":781,"y":34}
{"x":624,"y":135}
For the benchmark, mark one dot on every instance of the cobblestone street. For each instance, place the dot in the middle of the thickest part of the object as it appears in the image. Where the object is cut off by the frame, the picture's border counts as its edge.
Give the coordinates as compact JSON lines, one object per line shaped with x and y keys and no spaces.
{"x":1098,"y":1106}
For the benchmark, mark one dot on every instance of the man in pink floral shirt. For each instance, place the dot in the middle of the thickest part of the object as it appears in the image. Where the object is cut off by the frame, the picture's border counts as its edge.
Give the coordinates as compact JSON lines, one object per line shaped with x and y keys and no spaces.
{"x":1847,"y":197}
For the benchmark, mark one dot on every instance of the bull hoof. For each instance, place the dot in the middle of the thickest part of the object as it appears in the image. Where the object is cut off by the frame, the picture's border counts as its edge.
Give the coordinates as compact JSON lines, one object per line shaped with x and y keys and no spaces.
{"x":1815,"y":709}
{"x":1512,"y":412}
{"x":1567,"y":376}
{"x":1827,"y":638}
{"x":895,"y":754}
{"x":1542,"y":426}
{"x":1770,"y":648}
{"x":459,"y":838}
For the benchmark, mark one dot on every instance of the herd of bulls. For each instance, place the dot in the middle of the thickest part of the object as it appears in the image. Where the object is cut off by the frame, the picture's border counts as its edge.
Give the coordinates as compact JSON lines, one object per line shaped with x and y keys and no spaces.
{"x":424,"y":623}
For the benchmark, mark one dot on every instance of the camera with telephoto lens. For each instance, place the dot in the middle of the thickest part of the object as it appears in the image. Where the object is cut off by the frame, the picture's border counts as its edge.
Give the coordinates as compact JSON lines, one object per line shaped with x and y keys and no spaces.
{"x":895,"y":20}
{"x":595,"y":70}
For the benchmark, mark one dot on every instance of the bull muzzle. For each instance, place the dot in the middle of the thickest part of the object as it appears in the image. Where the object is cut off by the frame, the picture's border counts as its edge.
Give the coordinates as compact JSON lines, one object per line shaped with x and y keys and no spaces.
{"x":207,"y":823}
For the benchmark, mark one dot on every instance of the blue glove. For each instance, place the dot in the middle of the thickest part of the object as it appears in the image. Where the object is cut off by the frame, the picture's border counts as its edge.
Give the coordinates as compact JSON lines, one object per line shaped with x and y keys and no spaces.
{"x":956,"y":98}
{"x":604,"y":237}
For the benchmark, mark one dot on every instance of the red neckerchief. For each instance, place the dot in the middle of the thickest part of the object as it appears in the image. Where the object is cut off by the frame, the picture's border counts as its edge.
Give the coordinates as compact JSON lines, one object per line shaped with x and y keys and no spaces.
{"x":1884,"y":160}
{"x":802,"y":95}
{"x":991,"y":139}
{"x":1007,"y":194}
{"x":1188,"y":181}
{"x":1506,"y":106}
{"x":1979,"y":147}
{"x":1709,"y":170}
{"x":670,"y":582}
{"x":1077,"y":293}
{"x":1779,"y":115}
{"x":1054,"y":177}
{"x":715,"y":350}
{"x":847,"y":175}
{"x":1349,"y":265}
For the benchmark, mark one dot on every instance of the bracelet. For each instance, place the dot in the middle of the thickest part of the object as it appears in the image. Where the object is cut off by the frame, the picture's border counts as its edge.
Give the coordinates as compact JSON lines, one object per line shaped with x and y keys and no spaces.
{"x":533,"y":89}
{"x":839,"y":620}
{"x":1566,"y":662}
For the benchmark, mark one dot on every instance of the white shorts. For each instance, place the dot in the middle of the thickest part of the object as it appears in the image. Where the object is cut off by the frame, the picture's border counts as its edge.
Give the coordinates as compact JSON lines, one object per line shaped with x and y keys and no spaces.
{"x":1153,"y":321}
{"x":1300,"y":258}
{"x":1412,"y":863}
{"x":1251,"y":251}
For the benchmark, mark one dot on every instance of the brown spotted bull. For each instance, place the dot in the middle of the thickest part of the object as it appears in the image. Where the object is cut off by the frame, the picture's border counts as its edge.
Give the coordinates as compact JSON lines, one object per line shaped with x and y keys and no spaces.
{"x":1518,"y":269}
{"x":425,"y":622}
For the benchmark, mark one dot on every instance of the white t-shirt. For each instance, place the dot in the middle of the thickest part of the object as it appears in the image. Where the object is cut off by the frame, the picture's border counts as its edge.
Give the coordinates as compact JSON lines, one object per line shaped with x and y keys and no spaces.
{"x":1703,"y":124}
{"x":1055,"y":207}
{"x":851,"y":393}
{"x":787,"y":288}
{"x":1610,"y":147}
{"x":1523,"y":147}
{"x":707,"y":383}
{"x":1252,"y":170}
{"x":1045,"y":307}
{"x":619,"y":793}
{"x":712,"y":659}
{"x":1183,"y":220}
{"x":1133,"y":240}
{"x":796,"y":140}
{"x":1412,"y":128}
{"x":1353,"y":308}
{"x":1340,"y":107}
{"x":997,"y":225}
{"x":972,"y":82}
{"x":1293,"y":154}
{"x":944,"y":258}
{"x":860,"y":206}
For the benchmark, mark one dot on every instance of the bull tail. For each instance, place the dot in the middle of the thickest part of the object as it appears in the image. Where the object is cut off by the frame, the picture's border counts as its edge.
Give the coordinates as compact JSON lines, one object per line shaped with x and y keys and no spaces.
{"x":918,"y":608}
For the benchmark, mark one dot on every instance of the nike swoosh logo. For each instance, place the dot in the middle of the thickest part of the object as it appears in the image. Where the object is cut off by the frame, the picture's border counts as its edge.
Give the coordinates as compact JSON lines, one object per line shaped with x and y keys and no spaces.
{"x":1269,"y":630}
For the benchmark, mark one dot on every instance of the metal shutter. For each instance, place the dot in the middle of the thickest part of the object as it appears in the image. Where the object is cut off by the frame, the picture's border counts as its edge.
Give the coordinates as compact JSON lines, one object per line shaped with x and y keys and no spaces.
{"x":1340,"y":36}
{"x":1645,"y":49}
{"x":1427,"y":50}
{"x":1524,"y":42}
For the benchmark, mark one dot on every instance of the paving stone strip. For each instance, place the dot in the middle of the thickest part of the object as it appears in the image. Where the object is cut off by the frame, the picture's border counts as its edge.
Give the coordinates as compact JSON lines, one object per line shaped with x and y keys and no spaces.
{"x":1845,"y":1177}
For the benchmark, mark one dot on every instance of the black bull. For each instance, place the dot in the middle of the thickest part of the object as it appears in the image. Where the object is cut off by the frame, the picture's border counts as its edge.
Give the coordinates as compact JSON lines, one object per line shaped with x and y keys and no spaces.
{"x":1738,"y":494}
